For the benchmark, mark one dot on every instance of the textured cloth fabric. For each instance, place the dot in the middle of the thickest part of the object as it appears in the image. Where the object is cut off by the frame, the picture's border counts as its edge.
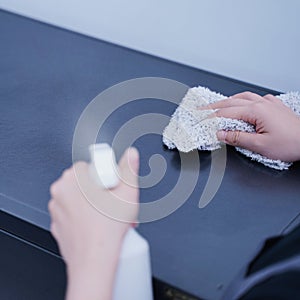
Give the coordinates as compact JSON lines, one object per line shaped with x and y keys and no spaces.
{"x":190,"y":129}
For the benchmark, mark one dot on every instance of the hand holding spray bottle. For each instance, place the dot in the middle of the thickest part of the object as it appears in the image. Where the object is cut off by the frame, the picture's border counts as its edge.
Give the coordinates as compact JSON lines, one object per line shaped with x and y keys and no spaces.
{"x":133,"y":278}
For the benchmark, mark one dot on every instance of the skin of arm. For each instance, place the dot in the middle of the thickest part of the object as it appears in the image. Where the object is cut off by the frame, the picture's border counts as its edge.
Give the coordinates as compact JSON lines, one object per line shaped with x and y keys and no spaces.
{"x":89,"y":241}
{"x":277,"y":127}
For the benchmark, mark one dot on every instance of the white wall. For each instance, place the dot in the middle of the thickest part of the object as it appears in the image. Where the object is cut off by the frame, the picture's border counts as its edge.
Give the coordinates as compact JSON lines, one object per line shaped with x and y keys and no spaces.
{"x":256,"y":41}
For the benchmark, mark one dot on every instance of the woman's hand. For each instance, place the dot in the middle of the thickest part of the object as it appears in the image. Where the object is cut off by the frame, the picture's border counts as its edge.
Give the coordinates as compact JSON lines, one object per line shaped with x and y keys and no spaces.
{"x":277,"y":126}
{"x":88,"y":240}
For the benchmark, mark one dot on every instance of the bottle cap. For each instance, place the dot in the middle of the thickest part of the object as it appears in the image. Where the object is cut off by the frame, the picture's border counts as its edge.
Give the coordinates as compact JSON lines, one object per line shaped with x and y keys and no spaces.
{"x":104,"y":168}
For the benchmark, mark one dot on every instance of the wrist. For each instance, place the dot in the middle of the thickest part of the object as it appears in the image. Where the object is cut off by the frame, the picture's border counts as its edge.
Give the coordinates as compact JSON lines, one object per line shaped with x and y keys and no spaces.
{"x":92,"y":275}
{"x":94,"y":256}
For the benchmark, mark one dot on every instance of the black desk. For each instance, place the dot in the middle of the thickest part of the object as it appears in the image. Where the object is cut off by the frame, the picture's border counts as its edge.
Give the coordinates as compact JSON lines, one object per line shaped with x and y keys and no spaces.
{"x":47,"y":77}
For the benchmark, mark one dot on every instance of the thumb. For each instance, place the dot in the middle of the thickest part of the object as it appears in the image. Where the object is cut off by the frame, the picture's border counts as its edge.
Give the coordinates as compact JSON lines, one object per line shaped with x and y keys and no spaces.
{"x":240,"y":139}
{"x":129,"y":167}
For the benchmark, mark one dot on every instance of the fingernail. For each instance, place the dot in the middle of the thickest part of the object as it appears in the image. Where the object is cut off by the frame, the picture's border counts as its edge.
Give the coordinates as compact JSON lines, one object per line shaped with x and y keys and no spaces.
{"x":221,"y":135}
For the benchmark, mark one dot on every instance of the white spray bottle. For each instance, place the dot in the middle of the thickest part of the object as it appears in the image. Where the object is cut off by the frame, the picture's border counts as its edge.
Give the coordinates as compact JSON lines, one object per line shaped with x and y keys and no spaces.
{"x":133,"y":278}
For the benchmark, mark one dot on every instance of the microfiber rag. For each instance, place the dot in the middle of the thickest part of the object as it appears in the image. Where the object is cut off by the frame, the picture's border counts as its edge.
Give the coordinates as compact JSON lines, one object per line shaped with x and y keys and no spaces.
{"x":190,"y":129}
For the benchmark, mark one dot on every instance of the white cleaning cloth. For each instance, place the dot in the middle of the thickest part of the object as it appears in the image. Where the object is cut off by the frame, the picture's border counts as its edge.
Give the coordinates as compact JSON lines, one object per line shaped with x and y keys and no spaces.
{"x":189,"y":128}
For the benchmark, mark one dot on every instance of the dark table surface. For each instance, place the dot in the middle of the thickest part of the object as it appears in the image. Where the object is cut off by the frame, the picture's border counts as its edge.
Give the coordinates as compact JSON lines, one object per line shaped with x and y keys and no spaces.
{"x":49,"y":75}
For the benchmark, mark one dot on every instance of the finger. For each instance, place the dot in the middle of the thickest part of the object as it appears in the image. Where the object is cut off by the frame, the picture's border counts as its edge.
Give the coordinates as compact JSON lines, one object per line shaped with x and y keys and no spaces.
{"x":51,"y":206}
{"x":129,"y":167}
{"x":247,"y":96}
{"x":229,"y":102}
{"x":238,"y":112}
{"x":235,"y":100}
{"x":54,"y":189}
{"x":80,"y":172}
{"x":80,"y":180}
{"x":210,"y":116}
{"x":55,"y":210}
{"x":250,"y":141}
{"x":53,"y":230}
{"x":272,"y":98}
{"x":215,"y":105}
{"x":79,"y":166}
